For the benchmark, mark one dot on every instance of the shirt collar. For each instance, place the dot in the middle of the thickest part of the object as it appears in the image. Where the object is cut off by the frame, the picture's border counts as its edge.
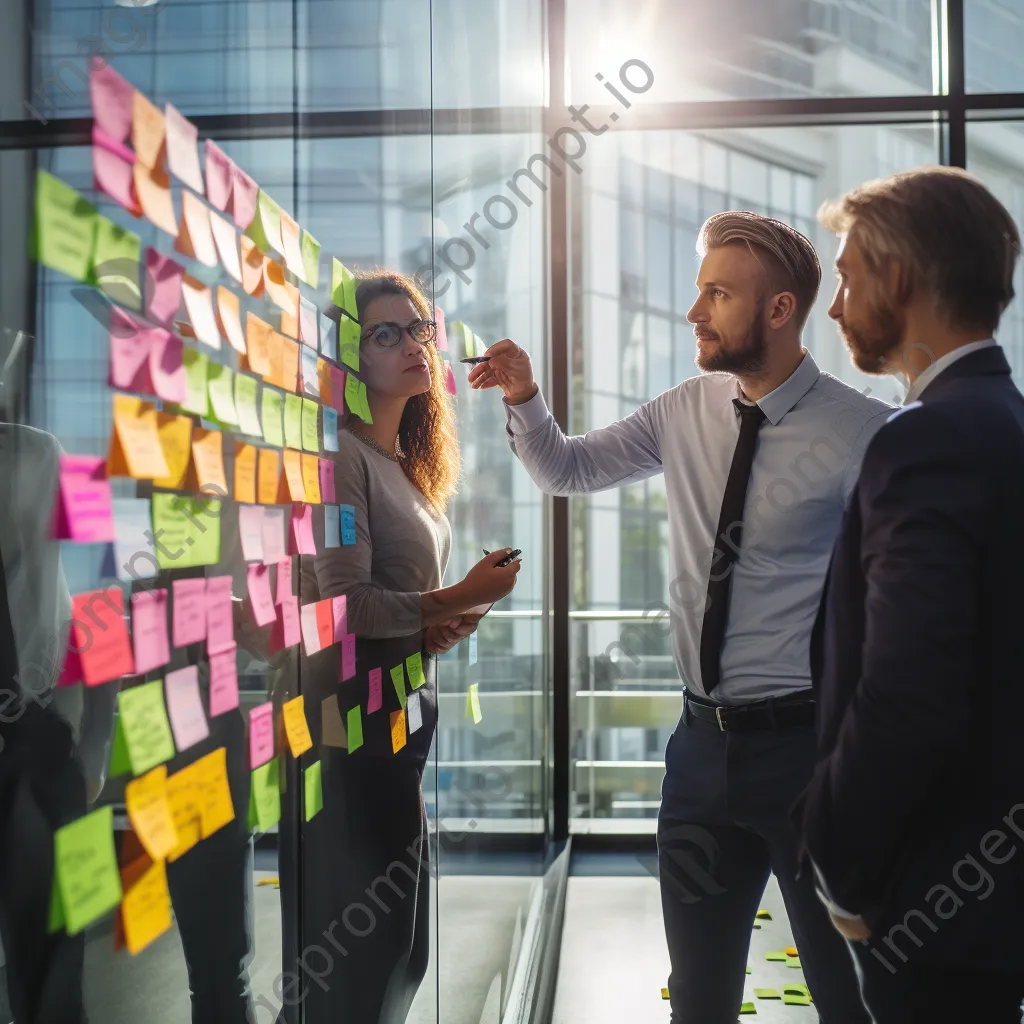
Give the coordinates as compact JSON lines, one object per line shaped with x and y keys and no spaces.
{"x":777,"y":403}
{"x":942,"y":363}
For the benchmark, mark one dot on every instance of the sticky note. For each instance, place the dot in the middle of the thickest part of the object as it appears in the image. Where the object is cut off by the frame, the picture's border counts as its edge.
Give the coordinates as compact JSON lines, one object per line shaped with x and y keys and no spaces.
{"x":189,"y":611}
{"x":199,"y":306}
{"x":337,"y":388}
{"x":353,"y":397}
{"x":310,"y":478}
{"x":261,"y":734}
{"x":449,"y":378}
{"x":153,"y":188}
{"x":265,"y":797}
{"x":293,"y":421}
{"x":85,"y":869}
{"x":134,"y":442}
{"x":339,"y":616}
{"x":348,"y":342}
{"x":332,"y":526}
{"x":793,"y":961}
{"x":142,"y":738}
{"x":291,"y":246}
{"x":795,"y":995}
{"x":111,"y":97}
{"x":149,"y":630}
{"x":223,"y":681}
{"x":149,"y":811}
{"x":747,"y":1008}
{"x":309,"y":426}
{"x":330,"y":429}
{"x":162,"y":287}
{"x":265,"y":227}
{"x":776,"y":955}
{"x":283,"y":591}
{"x":245,"y":481}
{"x":328,"y":337}
{"x":217,"y":809}
{"x":473,"y":703}
{"x":245,"y":405}
{"x":258,"y":340}
{"x":175,"y":436}
{"x":250,"y":531}
{"x":134,"y":551}
{"x":414,"y":713}
{"x":166,"y":366}
{"x":764,"y":915}
{"x":98,"y":646}
{"x":195,"y":235}
{"x":348,"y":524}
{"x":84,"y":510}
{"x":325,"y":623}
{"x":302,"y":531}
{"x":397,"y":731}
{"x":258,"y":585}
{"x":310,"y":259}
{"x":221,"y":386}
{"x":310,"y":633}
{"x":286,"y":630}
{"x":197,"y":366}
{"x":63,"y":229}
{"x":268,"y":475}
{"x":252,"y":267}
{"x":183,"y":149}
{"x":220,"y":626}
{"x":326,"y":479}
{"x":244,"y":196}
{"x":398,"y":682}
{"x":295,"y":726}
{"x":225,"y":239}
{"x":189,"y":530}
{"x":229,"y":321}
{"x":473,"y":647}
{"x":309,"y":373}
{"x":293,"y":487}
{"x":376,"y":696}
{"x":206,"y":473}
{"x":184,"y":799}
{"x":314,"y":795}
{"x":115,"y":267}
{"x":146,"y":905}
{"x":274,"y":545}
{"x":355,"y":729}
{"x":766,"y":993}
{"x":131,"y":347}
{"x":348,"y":656}
{"x":414,"y":665}
{"x":218,"y":175}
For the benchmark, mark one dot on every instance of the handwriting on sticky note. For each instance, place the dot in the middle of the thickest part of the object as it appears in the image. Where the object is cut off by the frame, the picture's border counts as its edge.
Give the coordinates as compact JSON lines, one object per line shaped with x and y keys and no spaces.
{"x":348,"y":524}
{"x":309,"y":426}
{"x":376,"y":691}
{"x":355,"y":728}
{"x":397,"y":731}
{"x":184,"y":796}
{"x":85,"y":868}
{"x":293,"y":421}
{"x":99,"y":648}
{"x":325,"y":623}
{"x":150,"y":812}
{"x":286,"y":630}
{"x":339,"y":614}
{"x":293,"y":485}
{"x":295,"y":725}
{"x":64,"y":231}
{"x":245,"y":475}
{"x":302,"y":530}
{"x":220,"y":624}
{"x":268,"y":475}
{"x":348,"y":656}
{"x":261,"y":734}
{"x":185,"y":709}
{"x":189,"y":529}
{"x":223,"y":681}
{"x":146,"y":906}
{"x":258,"y":583}
{"x":149,"y":630}
{"x":189,"y":611}
{"x":143,"y":724}
{"x":134,"y":442}
{"x":217,"y":808}
{"x":398,"y":683}
{"x":310,"y":633}
{"x":265,"y":796}
{"x":414,"y":665}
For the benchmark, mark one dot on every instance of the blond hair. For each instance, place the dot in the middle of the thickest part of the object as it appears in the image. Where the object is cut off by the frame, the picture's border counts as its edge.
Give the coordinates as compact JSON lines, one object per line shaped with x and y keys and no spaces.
{"x":946,"y":230}
{"x":786,"y":256}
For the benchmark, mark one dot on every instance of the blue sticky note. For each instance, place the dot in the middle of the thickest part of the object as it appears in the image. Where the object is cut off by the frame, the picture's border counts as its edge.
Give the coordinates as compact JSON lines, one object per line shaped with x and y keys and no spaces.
{"x":348,"y":524}
{"x":332,"y":535}
{"x":328,"y":338}
{"x":472,"y":648}
{"x":330,"y":429}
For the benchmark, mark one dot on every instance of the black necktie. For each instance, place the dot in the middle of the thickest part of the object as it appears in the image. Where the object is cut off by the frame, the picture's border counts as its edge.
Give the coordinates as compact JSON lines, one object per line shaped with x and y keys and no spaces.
{"x":728,"y":539}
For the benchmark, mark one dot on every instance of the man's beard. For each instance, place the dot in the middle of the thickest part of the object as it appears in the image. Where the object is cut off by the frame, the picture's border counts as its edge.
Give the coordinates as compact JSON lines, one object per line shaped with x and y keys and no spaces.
{"x":747,"y":357}
{"x":873,"y":340}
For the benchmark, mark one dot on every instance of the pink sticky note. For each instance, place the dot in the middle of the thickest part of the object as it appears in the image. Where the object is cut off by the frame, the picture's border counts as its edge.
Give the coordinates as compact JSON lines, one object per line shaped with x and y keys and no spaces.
{"x":250,"y":531}
{"x":301,"y":540}
{"x":449,"y":378}
{"x":327,"y":481}
{"x":218,"y":176}
{"x":339,"y":608}
{"x":185,"y":707}
{"x":338,"y":388}
{"x":189,"y":611}
{"x":310,"y":634}
{"x":275,"y":548}
{"x":166,"y":365}
{"x":162,"y":287}
{"x":284,"y":581}
{"x":84,"y":512}
{"x":348,"y":656}
{"x":112,"y":172}
{"x":223,"y":682}
{"x":258,"y":581}
{"x":183,"y":149}
{"x":244,"y":193}
{"x":286,"y":631}
{"x":130,"y":349}
{"x":149,"y":630}
{"x":441,"y":342}
{"x":111,"y":100}
{"x":376,"y":694}
{"x":261,"y":734}
{"x":220,"y":619}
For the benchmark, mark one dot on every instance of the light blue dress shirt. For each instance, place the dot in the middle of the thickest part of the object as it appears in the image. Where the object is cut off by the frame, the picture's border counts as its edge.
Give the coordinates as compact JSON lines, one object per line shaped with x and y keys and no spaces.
{"x":808,"y":456}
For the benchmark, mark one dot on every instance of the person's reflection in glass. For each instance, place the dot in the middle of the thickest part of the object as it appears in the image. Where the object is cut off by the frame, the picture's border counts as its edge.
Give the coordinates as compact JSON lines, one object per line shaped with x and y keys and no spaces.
{"x":364,"y":943}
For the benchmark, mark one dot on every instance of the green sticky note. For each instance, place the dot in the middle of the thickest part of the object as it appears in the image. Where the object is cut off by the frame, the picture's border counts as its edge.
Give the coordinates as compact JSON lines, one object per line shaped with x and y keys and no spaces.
{"x":348,"y":342}
{"x":245,"y":404}
{"x":473,"y":704}
{"x":220,"y":382}
{"x":778,"y":955}
{"x":63,"y":235}
{"x":355,"y":398}
{"x":85,"y":868}
{"x":355,"y":728}
{"x":343,"y":287}
{"x":767,"y":993}
{"x":271,"y":402}
{"x":314,"y":790}
{"x":479,"y":345}
{"x":265,"y":797}
{"x":748,"y":968}
{"x":310,"y":436}
{"x":115,"y":264}
{"x":144,"y":729}
{"x":188,"y":529}
{"x":265,"y":229}
{"x":197,"y":366}
{"x":310,"y":258}
{"x":56,"y":917}
{"x":398,"y":682}
{"x":414,"y":663}
{"x":796,"y":995}
{"x":792,"y":961}
{"x":293,"y":421}
{"x":748,"y":1008}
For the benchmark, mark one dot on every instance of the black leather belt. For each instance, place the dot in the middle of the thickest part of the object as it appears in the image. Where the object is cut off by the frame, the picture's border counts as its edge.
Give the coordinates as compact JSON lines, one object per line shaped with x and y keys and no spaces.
{"x":768,"y":713}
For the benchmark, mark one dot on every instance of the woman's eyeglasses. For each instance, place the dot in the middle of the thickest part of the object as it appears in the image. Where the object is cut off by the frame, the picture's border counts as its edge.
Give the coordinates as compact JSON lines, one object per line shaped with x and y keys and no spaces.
{"x":388,"y":334}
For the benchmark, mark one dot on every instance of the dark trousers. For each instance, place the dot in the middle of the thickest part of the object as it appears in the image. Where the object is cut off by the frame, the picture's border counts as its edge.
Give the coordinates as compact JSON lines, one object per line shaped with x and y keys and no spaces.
{"x":909,"y":993}
{"x":724,"y":825}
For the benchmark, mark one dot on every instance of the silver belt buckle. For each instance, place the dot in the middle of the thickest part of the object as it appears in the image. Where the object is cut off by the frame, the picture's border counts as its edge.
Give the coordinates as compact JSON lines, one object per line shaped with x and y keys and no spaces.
{"x":718,"y":716}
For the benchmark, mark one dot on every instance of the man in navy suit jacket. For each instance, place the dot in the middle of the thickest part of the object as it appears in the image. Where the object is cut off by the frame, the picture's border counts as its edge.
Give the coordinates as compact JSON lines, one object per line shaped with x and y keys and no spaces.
{"x":914,"y":819}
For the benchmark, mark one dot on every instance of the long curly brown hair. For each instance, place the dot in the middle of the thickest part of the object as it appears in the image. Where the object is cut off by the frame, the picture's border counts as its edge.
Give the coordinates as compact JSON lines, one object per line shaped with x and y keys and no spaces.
{"x":427,"y":432}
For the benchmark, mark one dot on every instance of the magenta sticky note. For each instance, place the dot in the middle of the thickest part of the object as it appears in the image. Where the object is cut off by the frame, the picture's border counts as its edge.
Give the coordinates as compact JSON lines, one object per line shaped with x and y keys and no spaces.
{"x":284,"y":581}
{"x":327,"y":481}
{"x":275,"y":548}
{"x":261,"y":734}
{"x":112,"y":170}
{"x":441,"y":341}
{"x":218,"y":175}
{"x":130,"y":348}
{"x":166,"y":365}
{"x":449,"y":378}
{"x":84,"y":509}
{"x":250,"y":531}
{"x":162,"y":288}
{"x":338,"y":388}
{"x":244,"y":193}
{"x":185,"y":707}
{"x":149,"y":630}
{"x":301,"y":540}
{"x":258,"y":582}
{"x":111,"y":97}
{"x":223,"y":682}
{"x":339,"y":607}
{"x":286,"y":631}
{"x":376,"y":694}
{"x":189,"y":611}
{"x":220,"y":619}
{"x":348,"y":656}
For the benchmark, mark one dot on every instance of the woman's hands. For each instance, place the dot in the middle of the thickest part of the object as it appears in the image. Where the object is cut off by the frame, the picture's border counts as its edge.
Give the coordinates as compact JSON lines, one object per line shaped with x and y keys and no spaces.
{"x":488,"y":582}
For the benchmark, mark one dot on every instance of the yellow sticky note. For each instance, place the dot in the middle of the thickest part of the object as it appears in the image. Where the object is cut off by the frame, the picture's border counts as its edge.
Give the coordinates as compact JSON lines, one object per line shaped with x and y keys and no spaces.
{"x":245,"y":473}
{"x":293,"y":421}
{"x":293,"y":487}
{"x":269,"y":474}
{"x":414,"y":665}
{"x":207,"y":474}
{"x":310,"y":437}
{"x":184,"y":794}
{"x":217,"y":808}
{"x":311,"y":478}
{"x":146,"y":908}
{"x":314,"y":790}
{"x":135,"y":441}
{"x":150,"y":812}
{"x":397,"y":731}
{"x":265,"y":796}
{"x":175,"y":433}
{"x":296,"y":727}
{"x":87,"y":880}
{"x":473,"y":704}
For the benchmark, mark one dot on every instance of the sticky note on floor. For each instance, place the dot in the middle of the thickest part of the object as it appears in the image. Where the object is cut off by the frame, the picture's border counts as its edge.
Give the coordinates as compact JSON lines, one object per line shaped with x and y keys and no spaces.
{"x":87,"y":882}
{"x":355,"y":728}
{"x":296,"y":727}
{"x":149,"y":811}
{"x":398,"y":682}
{"x":767,"y":993}
{"x":764,"y":915}
{"x":217,"y":809}
{"x":796,"y":995}
{"x":314,"y":794}
{"x":776,"y":955}
{"x":748,"y":1008}
{"x":397,"y":731}
{"x":414,"y":665}
{"x":473,"y":704}
{"x":142,"y":739}
{"x":146,"y":907}
{"x":793,"y":961}
{"x":265,"y":797}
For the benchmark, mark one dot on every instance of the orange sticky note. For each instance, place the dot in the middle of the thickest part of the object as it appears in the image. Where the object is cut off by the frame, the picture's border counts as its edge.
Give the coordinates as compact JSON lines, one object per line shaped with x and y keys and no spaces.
{"x":275,"y":348}
{"x":269,"y":474}
{"x":229,"y":318}
{"x":175,"y":433}
{"x":195,"y":236}
{"x":135,"y":441}
{"x":148,"y":132}
{"x":323,"y":373}
{"x":292,"y":486}
{"x":310,"y":478}
{"x":146,"y":904}
{"x":291,"y":246}
{"x":290,"y":365}
{"x":277,"y":291}
{"x":252,"y":267}
{"x":295,"y":726}
{"x":153,"y":187}
{"x":245,"y":473}
{"x":397,"y":731}
{"x":149,"y":812}
{"x":185,"y":798}
{"x":207,"y":473}
{"x":290,"y":320}
{"x":258,"y":335}
{"x":217,"y":809}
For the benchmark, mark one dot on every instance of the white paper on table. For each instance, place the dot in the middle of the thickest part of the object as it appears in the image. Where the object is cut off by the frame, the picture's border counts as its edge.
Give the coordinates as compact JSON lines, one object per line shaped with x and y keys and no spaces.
{"x":250,"y":529}
{"x":199,"y":306}
{"x":226,"y":239}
